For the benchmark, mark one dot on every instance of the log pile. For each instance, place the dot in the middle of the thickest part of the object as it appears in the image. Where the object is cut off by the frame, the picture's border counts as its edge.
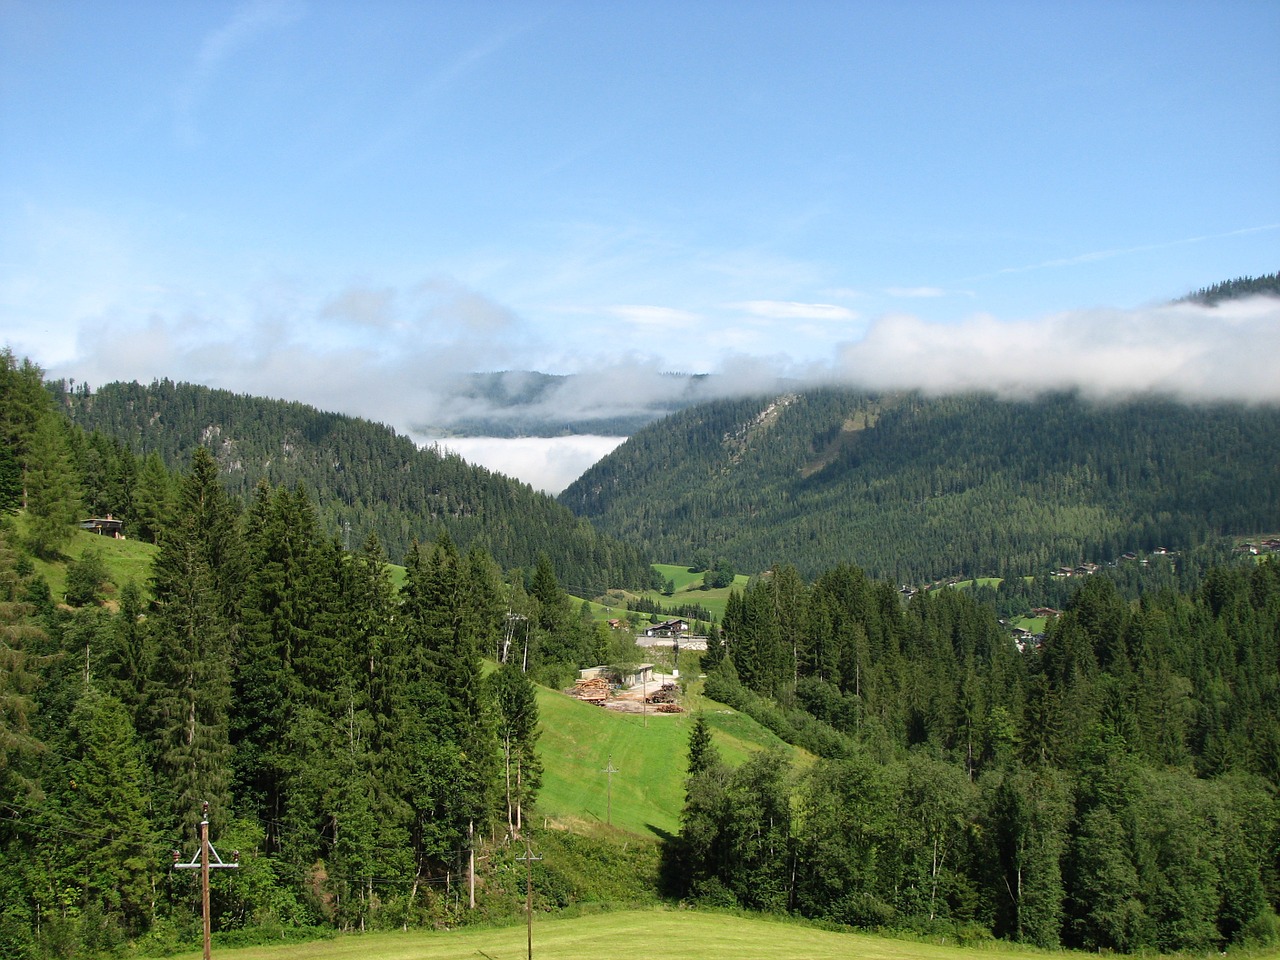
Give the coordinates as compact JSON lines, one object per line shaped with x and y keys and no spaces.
{"x":665,"y":694}
{"x":595,"y":690}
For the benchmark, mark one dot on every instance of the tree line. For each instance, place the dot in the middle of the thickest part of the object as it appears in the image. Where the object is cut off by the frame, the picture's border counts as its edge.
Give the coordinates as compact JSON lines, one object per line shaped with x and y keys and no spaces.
{"x":1112,"y":789}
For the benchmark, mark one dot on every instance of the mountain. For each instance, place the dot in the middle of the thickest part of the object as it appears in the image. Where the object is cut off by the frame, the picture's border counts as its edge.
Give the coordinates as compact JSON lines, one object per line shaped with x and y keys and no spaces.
{"x":364,"y":477}
{"x":914,"y":488}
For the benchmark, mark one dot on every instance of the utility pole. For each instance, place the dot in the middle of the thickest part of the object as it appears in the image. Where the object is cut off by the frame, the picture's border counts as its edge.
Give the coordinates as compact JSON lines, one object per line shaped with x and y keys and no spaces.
{"x":528,"y":858}
{"x":608,"y":815}
{"x":201,"y":862}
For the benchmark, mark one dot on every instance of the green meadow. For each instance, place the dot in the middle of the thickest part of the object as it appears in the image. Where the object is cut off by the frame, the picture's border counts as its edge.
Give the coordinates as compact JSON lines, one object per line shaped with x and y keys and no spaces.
{"x":124,"y":561}
{"x":665,"y":933}
{"x":649,"y":753}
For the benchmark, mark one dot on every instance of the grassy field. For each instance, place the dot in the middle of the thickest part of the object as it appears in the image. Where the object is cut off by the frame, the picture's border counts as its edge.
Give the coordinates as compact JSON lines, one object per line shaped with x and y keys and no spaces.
{"x":124,"y":560}
{"x":579,"y":740}
{"x":669,"y":934}
{"x":689,"y":589}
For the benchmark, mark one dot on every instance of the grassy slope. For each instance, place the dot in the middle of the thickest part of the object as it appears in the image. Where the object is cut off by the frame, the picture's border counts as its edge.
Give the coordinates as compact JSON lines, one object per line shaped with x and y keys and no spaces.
{"x":672,"y":935}
{"x":578,"y":740}
{"x":125,"y":560}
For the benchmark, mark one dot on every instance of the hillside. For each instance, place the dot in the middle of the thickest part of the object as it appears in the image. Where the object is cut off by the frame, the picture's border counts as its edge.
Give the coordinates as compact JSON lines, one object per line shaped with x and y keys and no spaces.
{"x":914,"y":488}
{"x":363,"y":476}
{"x":650,"y":756}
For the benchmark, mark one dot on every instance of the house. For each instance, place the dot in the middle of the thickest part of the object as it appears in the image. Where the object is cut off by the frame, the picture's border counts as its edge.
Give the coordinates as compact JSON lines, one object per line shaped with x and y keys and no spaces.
{"x":668,"y":628}
{"x":104,"y":526}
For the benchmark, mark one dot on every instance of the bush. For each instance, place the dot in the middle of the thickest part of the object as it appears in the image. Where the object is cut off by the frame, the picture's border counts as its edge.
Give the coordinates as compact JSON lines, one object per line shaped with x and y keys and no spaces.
{"x":1262,"y":931}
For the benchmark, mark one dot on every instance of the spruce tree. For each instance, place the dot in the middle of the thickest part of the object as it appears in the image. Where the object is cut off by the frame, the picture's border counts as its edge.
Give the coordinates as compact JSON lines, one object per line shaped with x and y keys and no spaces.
{"x":53,"y":488}
{"x":195,"y":584}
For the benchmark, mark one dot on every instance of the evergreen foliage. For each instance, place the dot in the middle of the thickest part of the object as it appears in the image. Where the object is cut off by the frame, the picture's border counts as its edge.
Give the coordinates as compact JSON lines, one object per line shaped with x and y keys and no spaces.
{"x":1267,"y":284}
{"x":1110,"y":789}
{"x":364,"y":478}
{"x":914,"y":488}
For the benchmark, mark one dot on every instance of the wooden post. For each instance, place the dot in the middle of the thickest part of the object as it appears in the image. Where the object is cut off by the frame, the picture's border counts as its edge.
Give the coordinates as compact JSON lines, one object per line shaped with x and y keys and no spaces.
{"x":204,"y":879}
{"x":201,"y":861}
{"x":528,"y":858}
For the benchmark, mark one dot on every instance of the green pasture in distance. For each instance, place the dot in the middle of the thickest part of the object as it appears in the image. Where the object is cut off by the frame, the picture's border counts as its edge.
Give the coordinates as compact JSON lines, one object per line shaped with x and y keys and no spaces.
{"x":670,"y":934}
{"x":124,"y":561}
{"x":689,"y":589}
{"x":650,"y":756}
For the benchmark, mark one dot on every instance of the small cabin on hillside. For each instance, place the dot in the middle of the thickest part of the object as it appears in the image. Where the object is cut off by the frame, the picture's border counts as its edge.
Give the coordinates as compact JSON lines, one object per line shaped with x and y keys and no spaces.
{"x":107,"y":526}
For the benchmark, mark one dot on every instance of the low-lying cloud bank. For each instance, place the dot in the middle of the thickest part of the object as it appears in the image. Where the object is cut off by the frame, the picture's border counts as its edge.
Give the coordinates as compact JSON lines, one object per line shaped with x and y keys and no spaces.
{"x":416,"y":376}
{"x":1184,"y":350}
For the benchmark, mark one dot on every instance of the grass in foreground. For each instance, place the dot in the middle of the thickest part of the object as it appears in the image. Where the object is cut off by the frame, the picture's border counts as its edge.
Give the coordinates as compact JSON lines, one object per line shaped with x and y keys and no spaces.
{"x":669,"y":934}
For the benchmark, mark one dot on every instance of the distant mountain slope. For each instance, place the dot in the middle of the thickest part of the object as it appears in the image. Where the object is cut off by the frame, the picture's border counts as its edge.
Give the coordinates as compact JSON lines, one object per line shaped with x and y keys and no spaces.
{"x":914,"y":488}
{"x":524,"y":403}
{"x":364,"y":477}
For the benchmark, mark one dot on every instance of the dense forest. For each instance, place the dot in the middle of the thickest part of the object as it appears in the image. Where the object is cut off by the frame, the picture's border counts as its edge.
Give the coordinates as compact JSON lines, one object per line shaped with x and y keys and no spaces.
{"x":363,"y":476}
{"x":915,"y":488}
{"x":341,"y":731}
{"x":1114,"y":788}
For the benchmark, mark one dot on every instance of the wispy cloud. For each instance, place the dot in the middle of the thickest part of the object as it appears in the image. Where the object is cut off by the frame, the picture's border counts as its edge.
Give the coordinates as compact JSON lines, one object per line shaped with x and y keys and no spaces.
{"x":654,"y":318}
{"x":250,"y":21}
{"x":1097,"y":255}
{"x":915,"y":293}
{"x":792,"y":310}
{"x":1183,"y":350}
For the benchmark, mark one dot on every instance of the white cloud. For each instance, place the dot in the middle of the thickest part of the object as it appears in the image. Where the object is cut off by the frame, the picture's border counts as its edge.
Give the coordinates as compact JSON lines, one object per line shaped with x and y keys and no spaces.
{"x":791,"y":310}
{"x":363,"y":306}
{"x":656,"y":318}
{"x":1184,"y":350}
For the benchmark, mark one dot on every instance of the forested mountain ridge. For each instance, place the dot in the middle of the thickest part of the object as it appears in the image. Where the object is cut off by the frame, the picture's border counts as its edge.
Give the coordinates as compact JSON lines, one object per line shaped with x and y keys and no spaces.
{"x":364,"y":477}
{"x":914,"y":488}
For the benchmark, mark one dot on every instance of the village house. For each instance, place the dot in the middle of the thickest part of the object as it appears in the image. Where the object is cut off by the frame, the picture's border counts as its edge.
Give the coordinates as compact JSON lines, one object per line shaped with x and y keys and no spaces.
{"x":668,"y":628}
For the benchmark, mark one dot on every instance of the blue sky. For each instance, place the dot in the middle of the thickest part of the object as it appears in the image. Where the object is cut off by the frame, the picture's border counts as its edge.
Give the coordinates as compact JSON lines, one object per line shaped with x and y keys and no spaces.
{"x":344,"y":202}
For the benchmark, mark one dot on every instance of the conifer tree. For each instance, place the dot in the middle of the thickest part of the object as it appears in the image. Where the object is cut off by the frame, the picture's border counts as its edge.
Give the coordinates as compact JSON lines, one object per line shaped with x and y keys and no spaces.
{"x":195,"y":584}
{"x":53,"y":488}
{"x":104,"y":787}
{"x":154,"y":499}
{"x":280,"y":604}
